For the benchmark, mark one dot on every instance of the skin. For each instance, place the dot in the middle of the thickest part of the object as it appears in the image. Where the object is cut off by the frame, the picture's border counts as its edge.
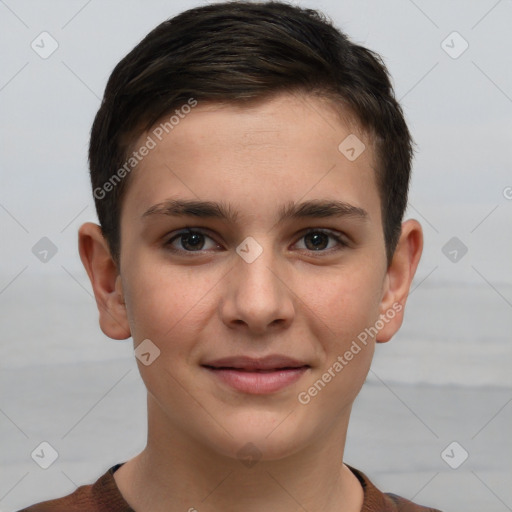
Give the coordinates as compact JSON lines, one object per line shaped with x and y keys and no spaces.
{"x":205,"y":304}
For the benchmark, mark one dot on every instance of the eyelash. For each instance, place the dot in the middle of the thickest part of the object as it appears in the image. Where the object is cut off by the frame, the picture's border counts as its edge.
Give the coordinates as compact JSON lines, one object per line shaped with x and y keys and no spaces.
{"x":342,"y":243}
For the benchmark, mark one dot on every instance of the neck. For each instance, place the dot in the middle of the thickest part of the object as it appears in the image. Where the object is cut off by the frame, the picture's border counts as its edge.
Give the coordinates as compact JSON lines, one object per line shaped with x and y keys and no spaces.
{"x":176,"y":473}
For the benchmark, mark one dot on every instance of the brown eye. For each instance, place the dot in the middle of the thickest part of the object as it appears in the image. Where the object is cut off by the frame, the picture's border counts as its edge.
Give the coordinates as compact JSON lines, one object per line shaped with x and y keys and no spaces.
{"x":190,"y":241}
{"x":316,"y":241}
{"x":319,"y":240}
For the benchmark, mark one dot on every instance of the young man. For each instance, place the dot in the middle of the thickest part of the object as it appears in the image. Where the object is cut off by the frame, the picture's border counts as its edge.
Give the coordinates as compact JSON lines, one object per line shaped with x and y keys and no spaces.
{"x":250,"y":167}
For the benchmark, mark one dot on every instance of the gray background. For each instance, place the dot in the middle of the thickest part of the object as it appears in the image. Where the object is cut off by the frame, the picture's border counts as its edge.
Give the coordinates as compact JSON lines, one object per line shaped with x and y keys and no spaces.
{"x":444,"y":378}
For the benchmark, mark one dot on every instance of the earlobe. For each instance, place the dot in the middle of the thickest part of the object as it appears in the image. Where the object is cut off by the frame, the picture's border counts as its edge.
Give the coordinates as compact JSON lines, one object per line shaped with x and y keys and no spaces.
{"x":105,"y":280}
{"x":399,"y":277}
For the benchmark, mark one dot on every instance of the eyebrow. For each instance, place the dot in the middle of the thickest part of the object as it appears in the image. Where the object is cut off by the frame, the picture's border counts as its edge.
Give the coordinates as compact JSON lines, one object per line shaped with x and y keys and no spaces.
{"x":209,"y":209}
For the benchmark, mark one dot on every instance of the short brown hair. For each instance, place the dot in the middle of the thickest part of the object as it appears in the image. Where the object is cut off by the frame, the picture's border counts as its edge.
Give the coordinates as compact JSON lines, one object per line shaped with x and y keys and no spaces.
{"x":239,"y":51}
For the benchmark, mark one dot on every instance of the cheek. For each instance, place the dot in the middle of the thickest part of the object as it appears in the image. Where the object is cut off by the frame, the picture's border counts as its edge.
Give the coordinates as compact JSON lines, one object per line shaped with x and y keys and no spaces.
{"x":340,"y":311}
{"x":162,"y":301}
{"x":170,"y":309}
{"x":343,"y":304}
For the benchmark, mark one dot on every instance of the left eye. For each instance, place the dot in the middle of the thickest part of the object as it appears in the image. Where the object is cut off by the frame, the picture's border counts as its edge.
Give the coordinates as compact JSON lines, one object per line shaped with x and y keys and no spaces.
{"x":318,"y":240}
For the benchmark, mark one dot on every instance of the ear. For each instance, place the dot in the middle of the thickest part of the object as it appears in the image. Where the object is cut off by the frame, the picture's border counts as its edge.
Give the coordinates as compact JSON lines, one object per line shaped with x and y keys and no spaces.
{"x":399,"y":278}
{"x":105,"y":280}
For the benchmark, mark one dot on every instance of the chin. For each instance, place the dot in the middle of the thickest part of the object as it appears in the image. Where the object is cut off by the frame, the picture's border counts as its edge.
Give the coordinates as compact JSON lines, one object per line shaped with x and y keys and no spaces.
{"x":263,"y":436}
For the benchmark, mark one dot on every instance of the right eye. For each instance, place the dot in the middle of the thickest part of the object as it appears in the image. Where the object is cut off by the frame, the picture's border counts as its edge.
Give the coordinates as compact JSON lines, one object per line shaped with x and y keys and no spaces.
{"x":190,"y":240}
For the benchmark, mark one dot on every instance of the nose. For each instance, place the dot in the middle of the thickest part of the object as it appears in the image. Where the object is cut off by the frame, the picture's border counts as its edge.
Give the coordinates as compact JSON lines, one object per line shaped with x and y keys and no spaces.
{"x":258,"y":297}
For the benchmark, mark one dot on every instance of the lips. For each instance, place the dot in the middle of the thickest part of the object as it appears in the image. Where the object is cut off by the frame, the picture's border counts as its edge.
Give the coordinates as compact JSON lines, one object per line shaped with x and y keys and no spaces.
{"x":257,"y":376}
{"x":250,"y":364}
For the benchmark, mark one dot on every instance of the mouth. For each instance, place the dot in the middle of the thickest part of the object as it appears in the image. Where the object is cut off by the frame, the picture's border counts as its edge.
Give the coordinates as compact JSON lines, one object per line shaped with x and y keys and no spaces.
{"x":270,"y":370}
{"x":257,"y":376}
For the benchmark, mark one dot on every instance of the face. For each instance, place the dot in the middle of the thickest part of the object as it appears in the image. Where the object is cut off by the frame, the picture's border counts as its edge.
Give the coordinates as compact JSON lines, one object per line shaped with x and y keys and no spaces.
{"x":279,"y":272}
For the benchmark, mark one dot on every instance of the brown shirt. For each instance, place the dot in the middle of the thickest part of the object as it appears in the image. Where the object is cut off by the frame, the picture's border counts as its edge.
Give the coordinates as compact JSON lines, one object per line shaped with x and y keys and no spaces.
{"x":104,"y":496}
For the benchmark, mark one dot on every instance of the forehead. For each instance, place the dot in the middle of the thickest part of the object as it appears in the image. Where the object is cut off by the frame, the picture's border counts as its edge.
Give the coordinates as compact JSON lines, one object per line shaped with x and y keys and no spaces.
{"x":280,"y":149}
